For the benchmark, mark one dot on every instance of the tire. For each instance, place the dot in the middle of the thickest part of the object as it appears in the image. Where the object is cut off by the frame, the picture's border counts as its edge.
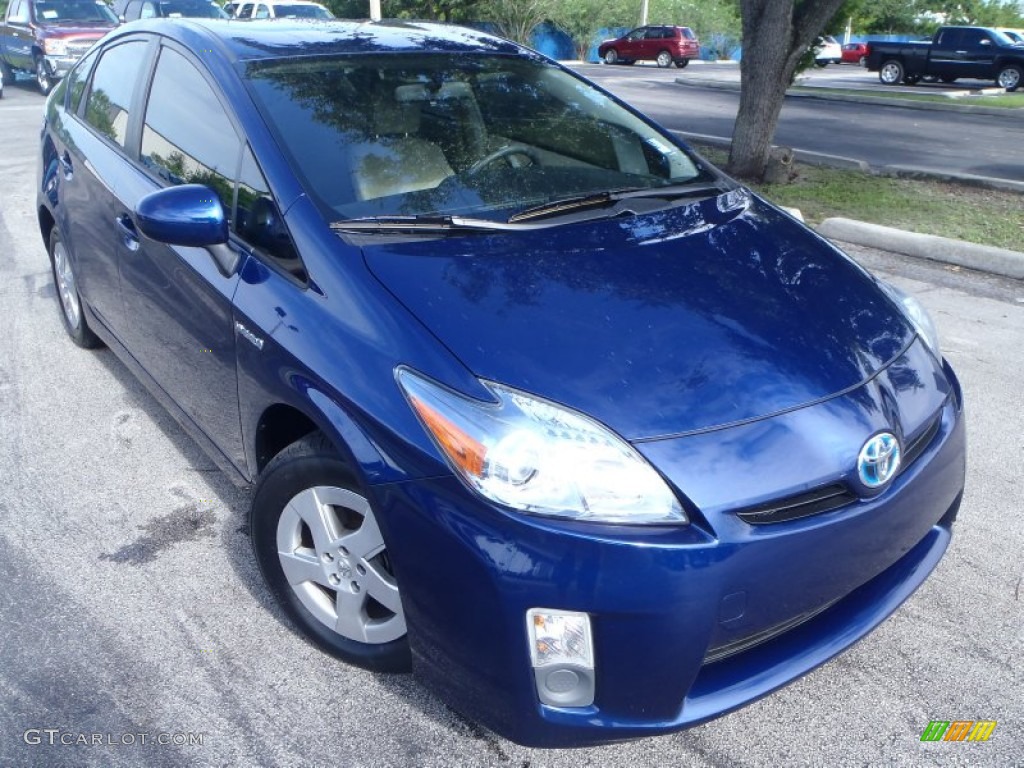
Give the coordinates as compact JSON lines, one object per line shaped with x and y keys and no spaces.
{"x":308,"y":516}
{"x":70,"y":302}
{"x":911,"y":79}
{"x":664,"y":59}
{"x":891,"y":72}
{"x":1010,"y":77}
{"x":821,"y":63}
{"x":863,"y":61}
{"x":7,"y":72}
{"x":611,"y":56}
{"x":43,"y":78}
{"x":681,"y":63}
{"x":947,"y":79}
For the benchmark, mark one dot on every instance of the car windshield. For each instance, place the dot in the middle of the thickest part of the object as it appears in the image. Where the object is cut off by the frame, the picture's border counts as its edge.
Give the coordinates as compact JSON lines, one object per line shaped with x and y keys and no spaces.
{"x":442,"y":134}
{"x":295,"y":11}
{"x":191,"y":9}
{"x":74,"y":10}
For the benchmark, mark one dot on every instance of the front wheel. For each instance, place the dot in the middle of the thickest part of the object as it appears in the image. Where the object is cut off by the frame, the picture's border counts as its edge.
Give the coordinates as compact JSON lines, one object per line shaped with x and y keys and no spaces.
{"x":321,"y":551}
{"x":611,"y":56}
{"x":863,"y":61}
{"x":1009,"y":77}
{"x":891,"y":72}
{"x":664,"y":59}
{"x":822,"y":63}
{"x":67,"y":290}
{"x":43,"y":78}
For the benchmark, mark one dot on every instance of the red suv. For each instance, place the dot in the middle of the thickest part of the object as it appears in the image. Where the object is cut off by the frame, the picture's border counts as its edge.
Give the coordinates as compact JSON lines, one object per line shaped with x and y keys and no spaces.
{"x":664,"y":45}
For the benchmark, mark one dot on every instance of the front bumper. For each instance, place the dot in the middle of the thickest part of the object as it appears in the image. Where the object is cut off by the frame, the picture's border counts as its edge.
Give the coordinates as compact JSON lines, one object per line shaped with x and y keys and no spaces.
{"x":58,"y":66}
{"x":661,"y":600}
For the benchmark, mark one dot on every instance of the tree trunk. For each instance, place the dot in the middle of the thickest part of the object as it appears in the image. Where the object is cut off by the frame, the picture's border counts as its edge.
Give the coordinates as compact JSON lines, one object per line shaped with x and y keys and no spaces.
{"x":775,"y":35}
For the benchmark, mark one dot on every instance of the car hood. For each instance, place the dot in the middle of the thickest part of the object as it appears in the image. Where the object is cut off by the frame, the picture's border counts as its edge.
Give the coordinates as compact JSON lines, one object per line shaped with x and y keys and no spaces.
{"x":71,"y":32}
{"x":691,"y":318}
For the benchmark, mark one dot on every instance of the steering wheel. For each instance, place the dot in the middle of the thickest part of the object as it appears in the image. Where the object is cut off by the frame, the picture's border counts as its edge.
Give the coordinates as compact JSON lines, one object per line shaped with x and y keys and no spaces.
{"x":503,"y":152}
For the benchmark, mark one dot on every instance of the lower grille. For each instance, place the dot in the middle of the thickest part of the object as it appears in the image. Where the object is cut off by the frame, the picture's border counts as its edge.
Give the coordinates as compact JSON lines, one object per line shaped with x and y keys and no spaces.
{"x":738,"y":646}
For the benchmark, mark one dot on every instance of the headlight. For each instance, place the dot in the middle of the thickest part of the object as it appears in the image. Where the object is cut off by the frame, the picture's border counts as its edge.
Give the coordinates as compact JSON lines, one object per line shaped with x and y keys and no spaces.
{"x":538,"y":457}
{"x":55,"y":46}
{"x":918,"y":316}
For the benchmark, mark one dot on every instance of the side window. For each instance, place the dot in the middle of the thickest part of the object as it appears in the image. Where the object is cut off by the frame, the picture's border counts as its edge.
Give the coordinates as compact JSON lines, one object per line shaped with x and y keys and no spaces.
{"x":262,"y":12}
{"x":948,"y":39}
{"x":131,"y":11}
{"x":76,"y":82}
{"x":973,"y":38}
{"x":259,"y":222}
{"x":148,"y":11}
{"x":245,"y":12}
{"x":187,"y":137}
{"x":19,"y":15}
{"x":110,"y":95}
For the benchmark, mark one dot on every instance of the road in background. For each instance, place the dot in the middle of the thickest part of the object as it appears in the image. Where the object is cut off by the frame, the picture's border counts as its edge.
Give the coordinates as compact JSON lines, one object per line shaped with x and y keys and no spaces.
{"x":939,"y":141}
{"x":130,"y":604}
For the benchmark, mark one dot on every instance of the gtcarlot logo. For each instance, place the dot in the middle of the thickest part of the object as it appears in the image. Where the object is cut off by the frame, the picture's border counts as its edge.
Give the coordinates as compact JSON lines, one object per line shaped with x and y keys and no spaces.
{"x":958,"y":730}
{"x":56,"y":737}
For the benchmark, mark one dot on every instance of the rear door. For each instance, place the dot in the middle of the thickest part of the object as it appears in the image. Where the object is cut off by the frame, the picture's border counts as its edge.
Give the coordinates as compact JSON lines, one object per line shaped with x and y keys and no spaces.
{"x":95,"y":170}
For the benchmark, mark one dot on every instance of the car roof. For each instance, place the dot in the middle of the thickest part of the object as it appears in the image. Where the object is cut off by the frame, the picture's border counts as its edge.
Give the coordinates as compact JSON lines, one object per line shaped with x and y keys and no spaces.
{"x":283,"y":38}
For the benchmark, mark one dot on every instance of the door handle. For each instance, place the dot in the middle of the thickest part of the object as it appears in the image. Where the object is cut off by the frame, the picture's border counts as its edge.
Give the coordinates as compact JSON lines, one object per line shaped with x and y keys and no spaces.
{"x":66,"y":165}
{"x":129,"y":234}
{"x":962,"y":53}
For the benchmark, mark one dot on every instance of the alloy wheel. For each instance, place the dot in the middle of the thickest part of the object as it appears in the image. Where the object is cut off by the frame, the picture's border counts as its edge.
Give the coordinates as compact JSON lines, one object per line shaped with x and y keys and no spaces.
{"x":333,"y":556}
{"x":66,"y":285}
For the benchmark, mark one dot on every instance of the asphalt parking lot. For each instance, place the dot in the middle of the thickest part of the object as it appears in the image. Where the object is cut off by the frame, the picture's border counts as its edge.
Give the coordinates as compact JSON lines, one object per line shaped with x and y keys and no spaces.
{"x":131,"y":609}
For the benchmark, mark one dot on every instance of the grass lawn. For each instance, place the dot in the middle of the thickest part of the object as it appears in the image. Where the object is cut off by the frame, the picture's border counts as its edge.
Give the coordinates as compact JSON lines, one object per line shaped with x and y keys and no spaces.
{"x":1004,"y":100}
{"x":989,"y":217}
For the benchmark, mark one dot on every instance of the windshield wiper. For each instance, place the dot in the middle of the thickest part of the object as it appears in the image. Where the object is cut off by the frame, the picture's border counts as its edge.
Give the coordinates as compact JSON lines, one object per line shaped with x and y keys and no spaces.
{"x":426,"y":224}
{"x":601,"y":199}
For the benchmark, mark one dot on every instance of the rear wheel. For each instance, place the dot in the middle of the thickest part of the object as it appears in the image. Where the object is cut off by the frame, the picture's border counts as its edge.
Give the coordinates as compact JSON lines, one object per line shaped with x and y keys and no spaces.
{"x":67,"y":291}
{"x":891,"y":72}
{"x":43,"y":78}
{"x":821,"y":63}
{"x":664,"y":59}
{"x":1009,"y":77}
{"x":611,"y":56}
{"x":863,"y":61}
{"x":320,"y":548}
{"x":681,"y":63}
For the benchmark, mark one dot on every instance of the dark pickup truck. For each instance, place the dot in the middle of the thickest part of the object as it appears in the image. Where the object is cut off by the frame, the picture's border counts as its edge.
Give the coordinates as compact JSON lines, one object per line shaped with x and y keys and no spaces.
{"x":46,"y":37}
{"x":954,"y":52}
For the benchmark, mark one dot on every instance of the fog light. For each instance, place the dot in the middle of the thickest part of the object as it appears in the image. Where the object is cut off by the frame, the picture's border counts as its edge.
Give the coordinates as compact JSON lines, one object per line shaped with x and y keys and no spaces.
{"x":562,"y":655}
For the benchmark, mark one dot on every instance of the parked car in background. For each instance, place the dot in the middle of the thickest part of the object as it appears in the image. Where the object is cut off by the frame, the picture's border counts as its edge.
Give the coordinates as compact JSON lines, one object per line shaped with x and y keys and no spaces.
{"x":290,"y":9}
{"x":827,"y":51}
{"x":535,"y":400}
{"x":665,"y":45}
{"x":131,"y":10}
{"x":978,"y":53}
{"x":1015,"y":35}
{"x":47,"y":37}
{"x":855,"y":53}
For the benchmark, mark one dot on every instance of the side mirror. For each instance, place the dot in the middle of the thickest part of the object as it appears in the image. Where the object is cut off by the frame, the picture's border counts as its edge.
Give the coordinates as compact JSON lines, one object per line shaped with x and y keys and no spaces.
{"x":190,"y":214}
{"x":985,"y":41}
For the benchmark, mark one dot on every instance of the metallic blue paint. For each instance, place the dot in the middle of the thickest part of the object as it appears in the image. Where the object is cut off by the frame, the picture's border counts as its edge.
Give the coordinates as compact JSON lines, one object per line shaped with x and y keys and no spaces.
{"x":190,"y":214}
{"x":745,"y":357}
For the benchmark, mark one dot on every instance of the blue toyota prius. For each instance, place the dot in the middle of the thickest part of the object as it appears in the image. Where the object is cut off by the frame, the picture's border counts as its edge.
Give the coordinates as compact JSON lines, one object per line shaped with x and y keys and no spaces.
{"x":535,"y":400}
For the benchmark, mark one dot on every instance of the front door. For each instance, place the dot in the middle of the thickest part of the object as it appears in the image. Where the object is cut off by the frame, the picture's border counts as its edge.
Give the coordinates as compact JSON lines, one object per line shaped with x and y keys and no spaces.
{"x":177,"y":303}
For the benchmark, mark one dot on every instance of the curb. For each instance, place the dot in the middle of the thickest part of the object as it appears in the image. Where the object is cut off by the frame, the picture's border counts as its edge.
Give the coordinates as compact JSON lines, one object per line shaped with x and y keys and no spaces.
{"x":985,"y":258}
{"x":811,"y":158}
{"x":853,"y":164}
{"x":933,"y":106}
